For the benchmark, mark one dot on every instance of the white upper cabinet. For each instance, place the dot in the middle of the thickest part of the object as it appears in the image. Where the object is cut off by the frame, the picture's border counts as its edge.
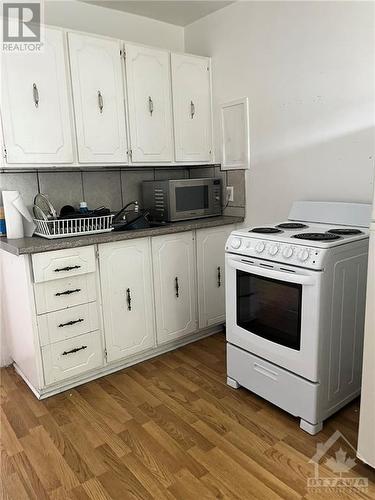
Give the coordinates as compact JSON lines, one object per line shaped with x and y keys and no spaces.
{"x":98,"y":97}
{"x":127,"y":292}
{"x":191,"y":107}
{"x":175,"y":289}
{"x":211,"y":274}
{"x":35,"y":104}
{"x":149,"y":104}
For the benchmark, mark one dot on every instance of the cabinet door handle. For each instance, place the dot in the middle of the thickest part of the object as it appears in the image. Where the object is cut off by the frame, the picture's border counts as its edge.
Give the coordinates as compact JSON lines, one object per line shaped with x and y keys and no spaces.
{"x":70,"y":323}
{"x":65,"y":353}
{"x":129,"y":299}
{"x":219,"y":277}
{"x":177,"y":287}
{"x":35,"y":95}
{"x":150,"y":105}
{"x":67,"y":292}
{"x":67,"y":268}
{"x":100,"y":101}
{"x":192,"y":109}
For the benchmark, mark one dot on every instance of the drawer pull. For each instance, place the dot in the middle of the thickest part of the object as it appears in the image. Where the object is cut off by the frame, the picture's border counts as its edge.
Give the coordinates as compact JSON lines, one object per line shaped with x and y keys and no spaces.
{"x":67,"y":292}
{"x":70,"y":323}
{"x":67,"y":268}
{"x":129,"y":299}
{"x":65,"y":353}
{"x":265,"y":371}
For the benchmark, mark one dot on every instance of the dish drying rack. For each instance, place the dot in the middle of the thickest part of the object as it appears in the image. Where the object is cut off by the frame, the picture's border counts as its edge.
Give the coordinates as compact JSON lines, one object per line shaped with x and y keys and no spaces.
{"x":64,"y":228}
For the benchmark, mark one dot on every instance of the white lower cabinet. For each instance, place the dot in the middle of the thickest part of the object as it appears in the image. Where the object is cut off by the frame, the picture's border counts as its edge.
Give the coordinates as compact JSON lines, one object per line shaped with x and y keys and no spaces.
{"x":69,"y":358}
{"x":175,"y":286}
{"x":127,"y":295}
{"x":70,"y":318}
{"x":211,"y":274}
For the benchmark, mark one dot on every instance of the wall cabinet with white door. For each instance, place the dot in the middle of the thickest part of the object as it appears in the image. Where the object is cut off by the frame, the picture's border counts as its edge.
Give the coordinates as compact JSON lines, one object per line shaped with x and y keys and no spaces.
{"x":149,"y":103}
{"x":191,"y":90}
{"x":35,"y":104}
{"x":211,"y":274}
{"x":168,"y":97}
{"x":127,"y":295}
{"x":98,"y":97}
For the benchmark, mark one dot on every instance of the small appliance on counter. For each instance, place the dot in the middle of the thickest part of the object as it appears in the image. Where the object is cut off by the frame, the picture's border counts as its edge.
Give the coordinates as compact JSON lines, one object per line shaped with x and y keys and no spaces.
{"x":133,"y":218}
{"x":176,"y":200}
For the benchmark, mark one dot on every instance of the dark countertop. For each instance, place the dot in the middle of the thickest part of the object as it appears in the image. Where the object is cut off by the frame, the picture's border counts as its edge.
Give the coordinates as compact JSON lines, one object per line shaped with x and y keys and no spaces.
{"x":36,"y":244}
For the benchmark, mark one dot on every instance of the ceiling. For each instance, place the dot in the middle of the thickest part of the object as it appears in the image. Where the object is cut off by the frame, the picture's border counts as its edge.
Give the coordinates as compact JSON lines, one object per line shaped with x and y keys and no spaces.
{"x":178,"y":12}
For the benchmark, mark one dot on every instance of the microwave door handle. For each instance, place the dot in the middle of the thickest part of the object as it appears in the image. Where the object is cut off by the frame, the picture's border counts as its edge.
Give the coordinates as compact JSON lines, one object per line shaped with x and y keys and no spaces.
{"x":272,"y":273}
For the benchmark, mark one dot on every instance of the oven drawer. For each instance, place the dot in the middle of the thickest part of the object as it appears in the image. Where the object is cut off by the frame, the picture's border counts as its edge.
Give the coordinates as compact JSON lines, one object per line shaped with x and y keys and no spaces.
{"x":62,"y":263}
{"x":60,"y":294}
{"x":68,"y":323}
{"x":70,"y":358}
{"x":290,"y":392}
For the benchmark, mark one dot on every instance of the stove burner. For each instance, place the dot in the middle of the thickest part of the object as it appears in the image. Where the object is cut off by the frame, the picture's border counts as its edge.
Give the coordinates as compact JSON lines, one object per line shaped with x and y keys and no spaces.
{"x":345,"y":231}
{"x":265,"y":230}
{"x":317,"y":236}
{"x":292,"y":225}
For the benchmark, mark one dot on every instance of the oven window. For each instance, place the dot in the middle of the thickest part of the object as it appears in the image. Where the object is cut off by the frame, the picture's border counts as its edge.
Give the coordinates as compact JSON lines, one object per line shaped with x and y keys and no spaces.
{"x":191,"y":198}
{"x":269,"y":308}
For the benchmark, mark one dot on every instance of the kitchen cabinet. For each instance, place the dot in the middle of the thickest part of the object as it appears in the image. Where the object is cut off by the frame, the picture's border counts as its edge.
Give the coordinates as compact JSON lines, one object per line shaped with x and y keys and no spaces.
{"x":35,"y":104}
{"x":149,"y":104}
{"x":175,"y":287}
{"x":191,"y":92}
{"x":127,"y":294}
{"x":98,"y":97}
{"x":211,"y":274}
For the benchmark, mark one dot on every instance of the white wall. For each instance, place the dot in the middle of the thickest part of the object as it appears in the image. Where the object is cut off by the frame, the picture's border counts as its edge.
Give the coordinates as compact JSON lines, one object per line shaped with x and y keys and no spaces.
{"x":100,"y":20}
{"x":308,"y":70}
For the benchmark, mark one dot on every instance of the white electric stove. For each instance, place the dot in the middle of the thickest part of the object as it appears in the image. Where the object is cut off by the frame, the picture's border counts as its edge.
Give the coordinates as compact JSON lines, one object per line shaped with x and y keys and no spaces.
{"x":295,"y":301}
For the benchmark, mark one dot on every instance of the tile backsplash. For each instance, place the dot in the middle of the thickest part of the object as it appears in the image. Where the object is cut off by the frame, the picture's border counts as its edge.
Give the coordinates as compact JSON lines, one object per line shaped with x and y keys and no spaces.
{"x":112,"y":188}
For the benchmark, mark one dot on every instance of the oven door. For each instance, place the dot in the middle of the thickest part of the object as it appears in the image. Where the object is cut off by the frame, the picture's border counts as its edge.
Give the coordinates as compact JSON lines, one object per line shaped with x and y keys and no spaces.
{"x":273,"y":312}
{"x":191,"y":199}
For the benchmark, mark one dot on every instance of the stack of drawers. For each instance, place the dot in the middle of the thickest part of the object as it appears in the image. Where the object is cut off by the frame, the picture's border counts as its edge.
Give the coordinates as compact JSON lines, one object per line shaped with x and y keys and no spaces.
{"x":65,"y":289}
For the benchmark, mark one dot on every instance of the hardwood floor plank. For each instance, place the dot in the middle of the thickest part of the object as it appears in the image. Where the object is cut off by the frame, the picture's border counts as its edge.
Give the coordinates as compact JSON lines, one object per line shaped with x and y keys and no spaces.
{"x":156,"y":459}
{"x":189,"y":487}
{"x":169,"y":428}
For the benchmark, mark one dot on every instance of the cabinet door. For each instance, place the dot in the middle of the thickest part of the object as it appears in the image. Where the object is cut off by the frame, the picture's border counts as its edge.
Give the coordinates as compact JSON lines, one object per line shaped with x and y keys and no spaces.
{"x":149,"y":102}
{"x":35,"y":104}
{"x":191,"y":107}
{"x":175,"y":288}
{"x":211,"y":274}
{"x":126,"y":281}
{"x":98,"y":97}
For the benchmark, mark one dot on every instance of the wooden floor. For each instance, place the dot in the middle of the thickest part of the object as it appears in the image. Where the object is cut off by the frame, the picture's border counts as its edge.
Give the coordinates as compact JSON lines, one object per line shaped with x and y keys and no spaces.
{"x":167,"y":428}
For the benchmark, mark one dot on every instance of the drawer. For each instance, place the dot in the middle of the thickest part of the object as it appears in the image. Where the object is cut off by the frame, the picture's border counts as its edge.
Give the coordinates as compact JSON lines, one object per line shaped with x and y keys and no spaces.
{"x":63,"y":293}
{"x":69,"y":358}
{"x":50,"y":266}
{"x":290,"y":392}
{"x":68,"y":323}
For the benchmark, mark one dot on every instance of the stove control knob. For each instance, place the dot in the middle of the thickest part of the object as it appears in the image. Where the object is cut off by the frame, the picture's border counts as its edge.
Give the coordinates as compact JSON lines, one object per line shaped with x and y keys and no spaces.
{"x":288,"y":252}
{"x":260,"y":246}
{"x":235,"y":243}
{"x":274,"y":249}
{"x":304,"y":254}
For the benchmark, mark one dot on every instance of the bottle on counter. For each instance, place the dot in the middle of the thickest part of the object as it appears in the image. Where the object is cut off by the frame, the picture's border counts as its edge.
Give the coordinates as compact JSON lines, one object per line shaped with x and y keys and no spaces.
{"x":2,"y":222}
{"x":83,"y":207}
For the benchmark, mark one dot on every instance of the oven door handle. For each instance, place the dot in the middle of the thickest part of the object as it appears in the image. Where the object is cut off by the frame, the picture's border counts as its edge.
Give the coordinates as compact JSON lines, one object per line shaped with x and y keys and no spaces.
{"x":271,"y":273}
